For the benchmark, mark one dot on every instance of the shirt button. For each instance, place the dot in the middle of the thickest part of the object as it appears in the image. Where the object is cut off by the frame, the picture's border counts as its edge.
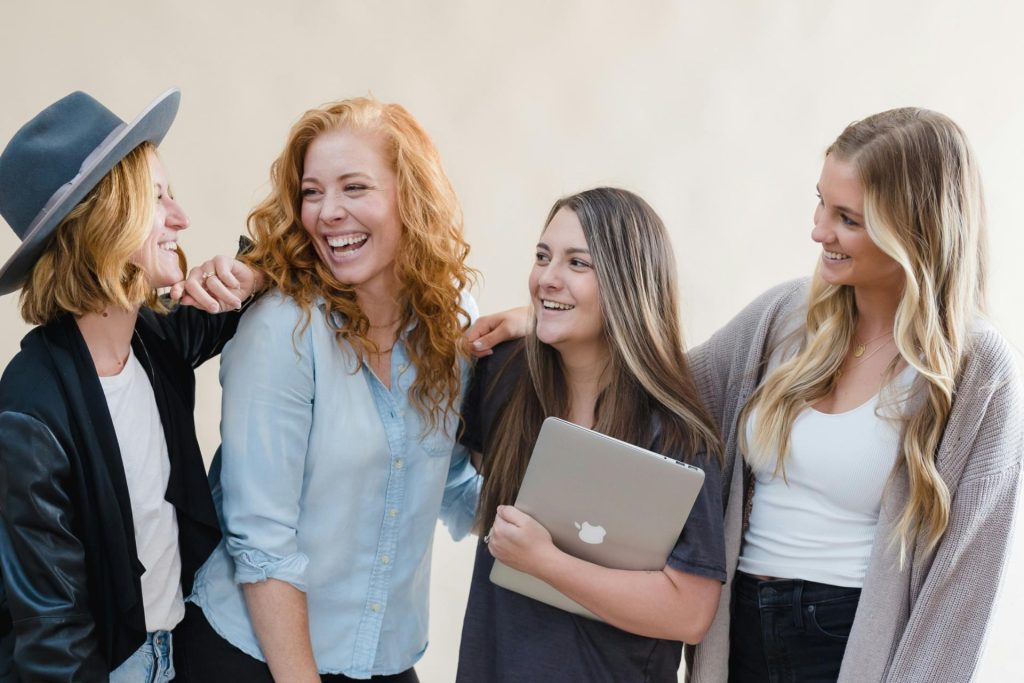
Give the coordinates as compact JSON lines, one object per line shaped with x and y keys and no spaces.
{"x":384,"y":559}
{"x":375,"y":606}
{"x":393,"y":512}
{"x":399,"y":464}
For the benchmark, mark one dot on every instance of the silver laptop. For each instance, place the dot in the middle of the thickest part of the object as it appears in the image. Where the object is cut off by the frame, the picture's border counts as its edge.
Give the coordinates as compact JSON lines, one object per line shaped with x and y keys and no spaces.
{"x":602,"y":500}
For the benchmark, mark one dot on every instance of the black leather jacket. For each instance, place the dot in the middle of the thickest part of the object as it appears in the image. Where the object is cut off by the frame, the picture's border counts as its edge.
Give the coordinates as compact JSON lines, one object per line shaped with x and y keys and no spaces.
{"x":71,"y":597}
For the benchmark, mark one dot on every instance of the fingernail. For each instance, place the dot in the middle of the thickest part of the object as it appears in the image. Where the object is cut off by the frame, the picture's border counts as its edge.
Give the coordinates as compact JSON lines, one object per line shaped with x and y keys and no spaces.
{"x":477,"y":344}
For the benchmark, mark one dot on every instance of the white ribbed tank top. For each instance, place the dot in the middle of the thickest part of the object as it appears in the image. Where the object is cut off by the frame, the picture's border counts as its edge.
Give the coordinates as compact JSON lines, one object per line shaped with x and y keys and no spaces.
{"x":818,"y":523}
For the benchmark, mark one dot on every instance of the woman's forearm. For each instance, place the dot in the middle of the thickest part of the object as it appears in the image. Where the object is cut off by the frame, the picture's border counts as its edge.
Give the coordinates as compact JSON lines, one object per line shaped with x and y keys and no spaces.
{"x":281,"y":620}
{"x":665,"y":603}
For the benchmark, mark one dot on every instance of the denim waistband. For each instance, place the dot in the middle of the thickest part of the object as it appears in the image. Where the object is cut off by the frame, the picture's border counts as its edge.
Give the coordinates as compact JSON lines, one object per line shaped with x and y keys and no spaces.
{"x":160,"y":641}
{"x":783,"y":591}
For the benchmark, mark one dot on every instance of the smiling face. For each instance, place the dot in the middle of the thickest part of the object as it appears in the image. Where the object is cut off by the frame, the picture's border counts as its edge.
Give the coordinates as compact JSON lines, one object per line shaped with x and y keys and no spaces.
{"x":158,"y":254}
{"x":849,"y":255}
{"x":564,"y":289}
{"x":350,"y":208}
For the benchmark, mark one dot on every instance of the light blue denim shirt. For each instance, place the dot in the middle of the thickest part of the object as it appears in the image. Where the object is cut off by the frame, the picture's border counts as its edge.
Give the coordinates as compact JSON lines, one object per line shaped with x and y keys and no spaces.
{"x":327,"y":481}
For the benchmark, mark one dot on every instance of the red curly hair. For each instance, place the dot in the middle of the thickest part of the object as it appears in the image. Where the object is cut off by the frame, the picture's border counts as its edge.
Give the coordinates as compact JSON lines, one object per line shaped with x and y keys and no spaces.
{"x":430,"y":264}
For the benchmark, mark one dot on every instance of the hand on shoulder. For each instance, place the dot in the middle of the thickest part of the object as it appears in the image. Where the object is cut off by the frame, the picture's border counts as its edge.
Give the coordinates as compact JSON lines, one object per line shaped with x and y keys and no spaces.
{"x":220,"y":284}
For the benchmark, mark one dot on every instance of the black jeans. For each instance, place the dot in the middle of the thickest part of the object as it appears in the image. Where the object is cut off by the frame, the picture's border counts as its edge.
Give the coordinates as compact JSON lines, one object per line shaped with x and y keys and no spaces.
{"x":788,"y":630}
{"x":202,"y":656}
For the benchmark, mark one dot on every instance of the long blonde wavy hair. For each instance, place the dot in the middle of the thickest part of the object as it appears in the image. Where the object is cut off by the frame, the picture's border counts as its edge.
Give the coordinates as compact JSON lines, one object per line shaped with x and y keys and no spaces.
{"x":924,"y":208}
{"x":430,"y":263}
{"x":87,"y":265}
{"x":650,"y":397}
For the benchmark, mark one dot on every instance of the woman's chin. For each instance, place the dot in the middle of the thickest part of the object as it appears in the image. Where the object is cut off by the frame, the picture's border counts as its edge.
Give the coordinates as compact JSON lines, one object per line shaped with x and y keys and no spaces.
{"x":164,"y":280}
{"x":548,"y":336}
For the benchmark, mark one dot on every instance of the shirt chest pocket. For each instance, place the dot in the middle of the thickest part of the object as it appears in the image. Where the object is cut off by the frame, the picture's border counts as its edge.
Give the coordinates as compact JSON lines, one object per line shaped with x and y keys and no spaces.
{"x":440,"y":441}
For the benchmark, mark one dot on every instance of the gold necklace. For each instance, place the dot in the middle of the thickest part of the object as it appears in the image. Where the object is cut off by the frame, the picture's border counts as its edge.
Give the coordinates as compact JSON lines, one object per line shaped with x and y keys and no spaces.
{"x":839,"y":372}
{"x":859,"y":349}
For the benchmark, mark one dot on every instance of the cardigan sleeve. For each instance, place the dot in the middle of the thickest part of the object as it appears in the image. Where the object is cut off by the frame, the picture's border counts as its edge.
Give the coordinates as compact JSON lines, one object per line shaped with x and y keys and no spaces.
{"x":716,"y":364}
{"x":948,"y":621}
{"x":42,"y":560}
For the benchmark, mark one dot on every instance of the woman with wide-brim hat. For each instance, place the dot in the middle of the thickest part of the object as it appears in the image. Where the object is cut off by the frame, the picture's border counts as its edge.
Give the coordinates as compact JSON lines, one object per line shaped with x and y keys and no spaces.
{"x":105,"y":511}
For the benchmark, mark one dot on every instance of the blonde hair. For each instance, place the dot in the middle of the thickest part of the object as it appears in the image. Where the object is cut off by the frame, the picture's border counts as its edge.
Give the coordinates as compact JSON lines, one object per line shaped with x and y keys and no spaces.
{"x":87,"y":266}
{"x":651,"y":396}
{"x":430,"y":263}
{"x":924,"y":208}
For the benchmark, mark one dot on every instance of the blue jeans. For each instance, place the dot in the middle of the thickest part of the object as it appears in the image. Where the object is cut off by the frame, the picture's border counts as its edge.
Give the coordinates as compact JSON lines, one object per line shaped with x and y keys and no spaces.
{"x":153,"y":662}
{"x":788,"y":630}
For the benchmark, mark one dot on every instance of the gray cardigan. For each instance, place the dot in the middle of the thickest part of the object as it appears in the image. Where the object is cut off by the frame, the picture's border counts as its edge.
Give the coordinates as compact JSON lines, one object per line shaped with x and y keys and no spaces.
{"x":928,"y":621}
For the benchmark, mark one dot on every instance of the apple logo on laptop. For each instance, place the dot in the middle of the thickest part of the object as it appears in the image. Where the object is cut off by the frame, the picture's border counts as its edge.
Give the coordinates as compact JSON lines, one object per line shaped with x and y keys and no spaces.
{"x":590,"y":533}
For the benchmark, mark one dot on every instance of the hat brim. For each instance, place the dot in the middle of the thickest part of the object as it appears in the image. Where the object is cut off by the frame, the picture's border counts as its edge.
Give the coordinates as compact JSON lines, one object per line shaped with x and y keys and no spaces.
{"x":149,"y":126}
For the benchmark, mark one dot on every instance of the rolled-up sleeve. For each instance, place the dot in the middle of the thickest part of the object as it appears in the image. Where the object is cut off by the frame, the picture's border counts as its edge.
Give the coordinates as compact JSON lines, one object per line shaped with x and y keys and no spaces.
{"x":462,"y":486}
{"x":461,"y":493}
{"x":268,"y":387}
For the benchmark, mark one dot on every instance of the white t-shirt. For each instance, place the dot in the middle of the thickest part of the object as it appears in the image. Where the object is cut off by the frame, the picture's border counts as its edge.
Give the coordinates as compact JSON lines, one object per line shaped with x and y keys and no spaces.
{"x":818,"y":523}
{"x":147,"y":469}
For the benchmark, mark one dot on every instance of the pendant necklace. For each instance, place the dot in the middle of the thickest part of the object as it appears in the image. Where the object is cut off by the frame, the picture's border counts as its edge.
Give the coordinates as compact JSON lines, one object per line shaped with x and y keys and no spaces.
{"x":839,"y":372}
{"x":858,"y":350}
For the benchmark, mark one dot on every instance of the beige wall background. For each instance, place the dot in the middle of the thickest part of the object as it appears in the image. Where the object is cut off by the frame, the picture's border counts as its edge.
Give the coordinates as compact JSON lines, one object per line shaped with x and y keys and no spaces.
{"x":717,"y":112}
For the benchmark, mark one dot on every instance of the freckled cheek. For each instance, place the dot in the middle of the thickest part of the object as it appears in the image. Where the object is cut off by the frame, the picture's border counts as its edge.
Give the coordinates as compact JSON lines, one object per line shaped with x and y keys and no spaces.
{"x":308,"y":224}
{"x":308,"y":214}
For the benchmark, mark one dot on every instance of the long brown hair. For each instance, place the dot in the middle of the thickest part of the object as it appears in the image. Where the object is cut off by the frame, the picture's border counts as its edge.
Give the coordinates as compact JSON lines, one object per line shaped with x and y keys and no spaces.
{"x":430,"y":263}
{"x":650,"y":398}
{"x":923,"y":207}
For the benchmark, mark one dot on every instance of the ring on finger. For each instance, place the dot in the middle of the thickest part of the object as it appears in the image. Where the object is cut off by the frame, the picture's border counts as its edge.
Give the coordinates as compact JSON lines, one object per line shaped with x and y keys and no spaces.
{"x":206,"y":275}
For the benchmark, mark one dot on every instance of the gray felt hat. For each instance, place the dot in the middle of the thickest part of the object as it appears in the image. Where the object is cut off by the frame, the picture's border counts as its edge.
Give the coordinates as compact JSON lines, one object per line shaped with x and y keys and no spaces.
{"x":57,"y":158}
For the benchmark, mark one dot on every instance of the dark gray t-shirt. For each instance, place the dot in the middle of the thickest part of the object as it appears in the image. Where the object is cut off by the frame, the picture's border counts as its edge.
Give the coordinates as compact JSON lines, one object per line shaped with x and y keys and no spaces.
{"x":509,"y":638}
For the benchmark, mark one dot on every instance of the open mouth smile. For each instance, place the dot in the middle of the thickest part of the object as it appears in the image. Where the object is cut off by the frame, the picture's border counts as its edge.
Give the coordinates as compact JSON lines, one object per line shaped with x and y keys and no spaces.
{"x":346,"y":244}
{"x":835,"y":255}
{"x":555,"y":306}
